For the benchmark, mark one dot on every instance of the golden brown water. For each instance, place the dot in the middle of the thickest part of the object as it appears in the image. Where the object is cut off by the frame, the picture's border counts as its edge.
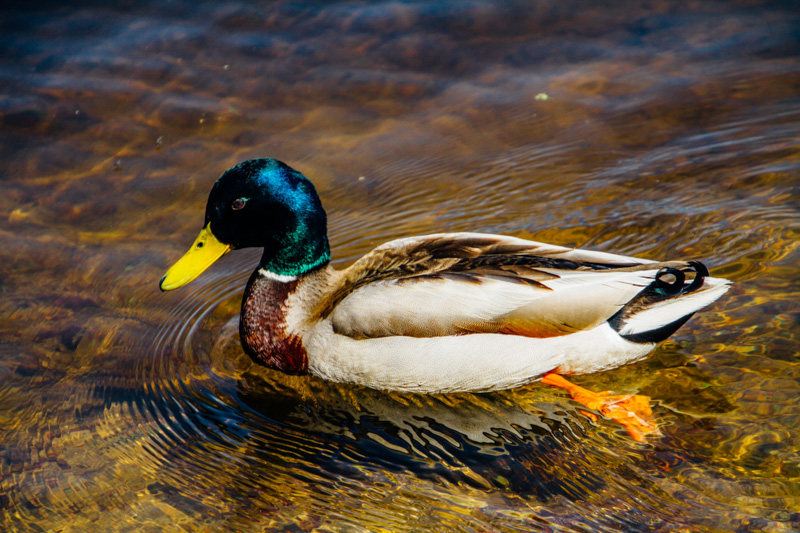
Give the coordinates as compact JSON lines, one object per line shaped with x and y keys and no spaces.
{"x":664,"y":130}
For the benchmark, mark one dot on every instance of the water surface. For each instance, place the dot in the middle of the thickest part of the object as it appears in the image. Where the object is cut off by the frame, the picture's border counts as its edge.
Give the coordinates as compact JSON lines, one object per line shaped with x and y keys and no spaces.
{"x":662,"y":130}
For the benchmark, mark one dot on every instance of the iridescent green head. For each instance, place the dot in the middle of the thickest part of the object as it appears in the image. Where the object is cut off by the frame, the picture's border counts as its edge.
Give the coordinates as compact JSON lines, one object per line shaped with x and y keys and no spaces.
{"x":259,"y":203}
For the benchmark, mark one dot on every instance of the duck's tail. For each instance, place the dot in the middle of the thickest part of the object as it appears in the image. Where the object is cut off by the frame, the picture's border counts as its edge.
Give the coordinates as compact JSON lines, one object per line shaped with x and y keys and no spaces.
{"x":667,"y":303}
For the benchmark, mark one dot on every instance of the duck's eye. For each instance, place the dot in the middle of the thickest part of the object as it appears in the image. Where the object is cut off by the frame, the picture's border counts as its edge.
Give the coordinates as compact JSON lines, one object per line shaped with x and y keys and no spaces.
{"x":238,"y":203}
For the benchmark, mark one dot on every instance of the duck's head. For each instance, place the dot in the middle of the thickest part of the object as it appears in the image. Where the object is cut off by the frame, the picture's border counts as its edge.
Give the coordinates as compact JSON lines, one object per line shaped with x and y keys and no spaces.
{"x":259,"y":203}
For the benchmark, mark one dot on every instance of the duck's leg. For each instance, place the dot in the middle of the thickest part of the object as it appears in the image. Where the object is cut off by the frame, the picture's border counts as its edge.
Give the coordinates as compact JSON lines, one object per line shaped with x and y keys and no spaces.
{"x":633,"y":412}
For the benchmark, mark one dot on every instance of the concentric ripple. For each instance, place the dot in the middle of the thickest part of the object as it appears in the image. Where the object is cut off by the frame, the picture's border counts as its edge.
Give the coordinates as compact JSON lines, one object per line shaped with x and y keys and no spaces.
{"x":257,"y":442}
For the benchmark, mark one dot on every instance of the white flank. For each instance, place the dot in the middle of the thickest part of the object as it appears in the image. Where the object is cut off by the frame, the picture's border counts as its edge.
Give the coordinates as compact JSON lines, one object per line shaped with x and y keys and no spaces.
{"x":436,"y":307}
{"x":276,"y":277}
{"x":478,"y":362}
{"x":664,"y":313}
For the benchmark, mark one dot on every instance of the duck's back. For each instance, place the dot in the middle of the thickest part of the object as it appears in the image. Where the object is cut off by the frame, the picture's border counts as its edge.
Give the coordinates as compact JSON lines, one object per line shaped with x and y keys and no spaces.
{"x":471,"y":311}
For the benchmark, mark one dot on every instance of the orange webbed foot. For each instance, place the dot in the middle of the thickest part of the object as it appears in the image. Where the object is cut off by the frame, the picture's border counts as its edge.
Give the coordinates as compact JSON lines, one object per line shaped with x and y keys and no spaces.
{"x":632,"y":411}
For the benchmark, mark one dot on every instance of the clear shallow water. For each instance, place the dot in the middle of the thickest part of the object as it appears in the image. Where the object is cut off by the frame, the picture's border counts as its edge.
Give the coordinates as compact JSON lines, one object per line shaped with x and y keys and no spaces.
{"x":667,"y":132}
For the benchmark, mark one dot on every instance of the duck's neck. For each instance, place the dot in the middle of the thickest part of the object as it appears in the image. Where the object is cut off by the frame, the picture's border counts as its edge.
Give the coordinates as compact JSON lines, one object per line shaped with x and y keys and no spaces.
{"x":298,"y":252}
{"x":265,"y":334}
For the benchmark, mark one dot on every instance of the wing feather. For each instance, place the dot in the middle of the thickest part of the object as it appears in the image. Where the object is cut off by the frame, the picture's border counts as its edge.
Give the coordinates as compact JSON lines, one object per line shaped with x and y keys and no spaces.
{"x":458,"y":283}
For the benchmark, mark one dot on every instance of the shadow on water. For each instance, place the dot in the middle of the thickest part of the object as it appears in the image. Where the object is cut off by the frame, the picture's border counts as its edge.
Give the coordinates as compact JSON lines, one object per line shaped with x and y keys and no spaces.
{"x":659,"y":130}
{"x":243,"y":435}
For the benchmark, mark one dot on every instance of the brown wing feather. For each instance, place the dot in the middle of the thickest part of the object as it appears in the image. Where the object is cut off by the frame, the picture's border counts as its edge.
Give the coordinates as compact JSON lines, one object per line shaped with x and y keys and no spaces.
{"x":476,"y":259}
{"x":450,"y":253}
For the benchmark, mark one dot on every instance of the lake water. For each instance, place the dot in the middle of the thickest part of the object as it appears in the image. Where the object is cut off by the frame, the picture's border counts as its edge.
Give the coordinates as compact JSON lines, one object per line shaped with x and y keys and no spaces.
{"x":663,"y":129}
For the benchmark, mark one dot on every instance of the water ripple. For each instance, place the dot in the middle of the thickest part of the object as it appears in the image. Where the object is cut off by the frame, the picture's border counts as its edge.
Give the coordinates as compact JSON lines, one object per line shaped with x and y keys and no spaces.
{"x":210,"y":420}
{"x":647,"y":130}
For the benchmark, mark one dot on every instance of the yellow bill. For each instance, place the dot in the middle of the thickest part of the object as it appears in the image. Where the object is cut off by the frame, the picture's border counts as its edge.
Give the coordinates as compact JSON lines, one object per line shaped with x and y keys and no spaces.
{"x":205,"y":250}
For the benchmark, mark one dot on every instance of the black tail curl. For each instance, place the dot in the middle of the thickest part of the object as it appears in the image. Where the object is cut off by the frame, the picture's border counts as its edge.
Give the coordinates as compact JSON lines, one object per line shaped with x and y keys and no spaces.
{"x":660,"y":289}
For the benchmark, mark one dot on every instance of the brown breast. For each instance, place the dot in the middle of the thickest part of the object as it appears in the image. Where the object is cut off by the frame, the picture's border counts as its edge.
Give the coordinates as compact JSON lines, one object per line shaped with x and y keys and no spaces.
{"x":263,"y":330}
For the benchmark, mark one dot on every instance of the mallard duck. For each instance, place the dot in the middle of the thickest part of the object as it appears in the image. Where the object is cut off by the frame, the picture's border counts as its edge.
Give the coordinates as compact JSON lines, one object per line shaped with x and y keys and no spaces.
{"x":431,"y":314}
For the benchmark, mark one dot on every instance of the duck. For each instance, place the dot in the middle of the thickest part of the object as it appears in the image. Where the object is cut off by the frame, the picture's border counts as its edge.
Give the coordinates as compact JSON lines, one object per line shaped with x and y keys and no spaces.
{"x":439,"y":313}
